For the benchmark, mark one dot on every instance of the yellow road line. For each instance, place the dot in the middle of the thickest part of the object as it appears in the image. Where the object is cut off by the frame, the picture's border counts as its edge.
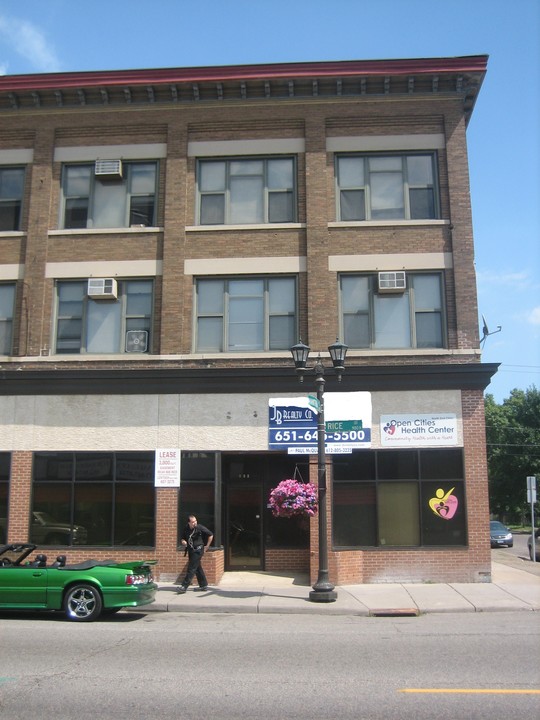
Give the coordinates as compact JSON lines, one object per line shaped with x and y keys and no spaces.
{"x":472,"y":691}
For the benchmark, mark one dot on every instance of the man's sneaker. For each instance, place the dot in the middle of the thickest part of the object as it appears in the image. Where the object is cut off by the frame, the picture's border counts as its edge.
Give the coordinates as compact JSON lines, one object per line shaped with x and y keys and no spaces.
{"x":181,"y":590}
{"x":202,"y":589}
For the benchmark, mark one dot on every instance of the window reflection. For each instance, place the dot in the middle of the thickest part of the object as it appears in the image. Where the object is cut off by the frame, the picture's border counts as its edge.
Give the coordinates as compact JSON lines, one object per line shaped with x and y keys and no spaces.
{"x":99,"y":499}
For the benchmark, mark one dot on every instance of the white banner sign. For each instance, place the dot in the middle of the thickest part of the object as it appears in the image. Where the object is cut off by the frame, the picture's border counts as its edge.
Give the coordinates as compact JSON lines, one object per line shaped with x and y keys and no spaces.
{"x":419,"y":430}
{"x":293,"y":423}
{"x":167,"y":472}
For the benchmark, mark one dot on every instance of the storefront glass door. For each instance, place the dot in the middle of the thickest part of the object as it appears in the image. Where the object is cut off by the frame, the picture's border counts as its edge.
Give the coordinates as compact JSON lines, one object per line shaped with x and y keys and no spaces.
{"x":244,"y":527}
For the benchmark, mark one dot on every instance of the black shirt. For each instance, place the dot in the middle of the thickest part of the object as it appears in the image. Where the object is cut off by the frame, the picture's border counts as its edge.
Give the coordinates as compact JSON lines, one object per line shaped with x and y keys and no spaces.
{"x":196,"y":538}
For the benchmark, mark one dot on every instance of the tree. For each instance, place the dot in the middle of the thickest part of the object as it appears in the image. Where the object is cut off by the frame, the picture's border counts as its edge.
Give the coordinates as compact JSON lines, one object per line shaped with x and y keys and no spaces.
{"x":513,"y":451}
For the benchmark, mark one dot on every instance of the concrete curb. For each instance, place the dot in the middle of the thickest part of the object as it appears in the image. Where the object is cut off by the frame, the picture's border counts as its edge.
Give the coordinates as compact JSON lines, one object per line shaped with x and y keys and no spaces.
{"x":513,"y":590}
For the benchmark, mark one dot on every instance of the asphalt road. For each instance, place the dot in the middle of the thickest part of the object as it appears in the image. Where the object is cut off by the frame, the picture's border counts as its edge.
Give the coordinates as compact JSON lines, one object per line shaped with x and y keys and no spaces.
{"x":267,"y":667}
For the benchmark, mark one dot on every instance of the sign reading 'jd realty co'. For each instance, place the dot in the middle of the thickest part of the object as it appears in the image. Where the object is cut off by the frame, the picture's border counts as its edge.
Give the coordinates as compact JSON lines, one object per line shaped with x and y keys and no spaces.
{"x":419,"y":430}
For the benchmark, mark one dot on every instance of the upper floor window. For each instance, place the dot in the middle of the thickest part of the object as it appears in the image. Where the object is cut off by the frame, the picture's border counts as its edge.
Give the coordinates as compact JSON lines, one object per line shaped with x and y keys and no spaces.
{"x":11,"y":196}
{"x":91,"y":202}
{"x":386,"y":187}
{"x":245,"y":314}
{"x":244,"y":191}
{"x":117,"y":325}
{"x":411,"y":318}
{"x":7,"y":302}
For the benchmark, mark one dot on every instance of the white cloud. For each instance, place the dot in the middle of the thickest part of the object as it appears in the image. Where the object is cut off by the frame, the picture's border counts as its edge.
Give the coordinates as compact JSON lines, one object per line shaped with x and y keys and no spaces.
{"x":534,"y":316}
{"x":29,"y":42}
{"x":510,"y":279}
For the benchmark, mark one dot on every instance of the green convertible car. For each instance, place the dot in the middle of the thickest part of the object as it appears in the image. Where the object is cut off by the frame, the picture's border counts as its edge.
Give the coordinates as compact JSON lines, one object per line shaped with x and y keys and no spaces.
{"x":84,"y":590}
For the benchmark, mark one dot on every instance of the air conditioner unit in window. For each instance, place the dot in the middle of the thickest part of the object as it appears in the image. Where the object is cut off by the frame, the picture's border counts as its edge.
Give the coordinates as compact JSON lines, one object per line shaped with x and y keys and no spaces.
{"x":102,"y":288}
{"x":392,"y":282}
{"x":108,"y":169}
{"x":136,"y":341}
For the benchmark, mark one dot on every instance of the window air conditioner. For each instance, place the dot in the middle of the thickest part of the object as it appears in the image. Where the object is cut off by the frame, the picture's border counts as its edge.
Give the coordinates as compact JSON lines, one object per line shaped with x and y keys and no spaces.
{"x":392,"y":282}
{"x":102,"y":288}
{"x":136,"y":341}
{"x":108,"y":169}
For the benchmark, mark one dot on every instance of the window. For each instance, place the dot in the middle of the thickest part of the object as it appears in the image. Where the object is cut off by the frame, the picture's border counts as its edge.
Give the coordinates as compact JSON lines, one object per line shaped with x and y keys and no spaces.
{"x":386,"y":187}
{"x":90,"y":202}
{"x":197,"y":489}
{"x":84,"y":325}
{"x":413,"y":318}
{"x":7,"y":301}
{"x":5,"y":460}
{"x":11,"y":195}
{"x":399,"y":498}
{"x":93,"y":499}
{"x":245,"y":314}
{"x":243,"y":191}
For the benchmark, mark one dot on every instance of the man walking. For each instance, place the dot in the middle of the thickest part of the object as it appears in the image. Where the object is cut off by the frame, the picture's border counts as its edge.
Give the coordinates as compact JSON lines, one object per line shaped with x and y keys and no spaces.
{"x":195,"y":538}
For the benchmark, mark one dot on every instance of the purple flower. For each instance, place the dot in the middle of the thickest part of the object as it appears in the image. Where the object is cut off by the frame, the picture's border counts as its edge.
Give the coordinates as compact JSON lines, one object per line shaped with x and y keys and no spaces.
{"x":291,"y":497}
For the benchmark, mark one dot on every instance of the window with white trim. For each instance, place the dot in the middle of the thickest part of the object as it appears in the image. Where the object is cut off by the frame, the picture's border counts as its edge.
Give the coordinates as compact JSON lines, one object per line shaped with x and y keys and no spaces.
{"x":413,"y":318}
{"x":246,"y":314}
{"x":11,"y":197}
{"x":387,"y":187}
{"x":239,"y":191}
{"x":87,"y":325}
{"x":7,"y":304}
{"x":91,"y":202}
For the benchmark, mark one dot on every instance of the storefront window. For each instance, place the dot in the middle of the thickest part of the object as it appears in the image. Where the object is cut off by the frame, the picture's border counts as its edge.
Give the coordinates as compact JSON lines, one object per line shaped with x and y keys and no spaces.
{"x":444,"y":522}
{"x":291,"y":532}
{"x":355,"y":512}
{"x":197,"y":495}
{"x":397,"y":510}
{"x":5,"y":460}
{"x":100,"y":499}
{"x":399,"y":498}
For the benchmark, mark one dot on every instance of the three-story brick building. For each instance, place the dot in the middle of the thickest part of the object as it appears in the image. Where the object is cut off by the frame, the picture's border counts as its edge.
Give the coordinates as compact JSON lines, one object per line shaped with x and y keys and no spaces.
{"x":166,"y":236}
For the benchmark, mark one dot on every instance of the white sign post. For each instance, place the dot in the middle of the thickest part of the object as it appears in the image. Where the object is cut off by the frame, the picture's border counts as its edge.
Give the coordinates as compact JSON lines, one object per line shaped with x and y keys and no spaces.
{"x":531,"y":497}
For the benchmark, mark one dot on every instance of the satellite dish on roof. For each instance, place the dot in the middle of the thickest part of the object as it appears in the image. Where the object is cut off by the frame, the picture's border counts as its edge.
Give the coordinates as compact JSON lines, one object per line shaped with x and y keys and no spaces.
{"x":485,"y":331}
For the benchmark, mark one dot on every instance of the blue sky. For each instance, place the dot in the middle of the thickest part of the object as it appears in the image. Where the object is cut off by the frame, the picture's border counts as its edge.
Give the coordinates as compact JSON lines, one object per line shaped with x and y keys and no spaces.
{"x":62,"y":35}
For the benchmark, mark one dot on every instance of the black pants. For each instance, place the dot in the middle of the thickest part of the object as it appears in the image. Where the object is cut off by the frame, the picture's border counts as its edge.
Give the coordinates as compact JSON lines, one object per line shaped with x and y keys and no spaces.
{"x":195,"y":568}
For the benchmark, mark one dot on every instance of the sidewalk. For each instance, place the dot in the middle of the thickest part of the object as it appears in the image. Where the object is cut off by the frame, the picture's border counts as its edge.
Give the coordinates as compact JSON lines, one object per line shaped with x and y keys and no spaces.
{"x":249,"y":592}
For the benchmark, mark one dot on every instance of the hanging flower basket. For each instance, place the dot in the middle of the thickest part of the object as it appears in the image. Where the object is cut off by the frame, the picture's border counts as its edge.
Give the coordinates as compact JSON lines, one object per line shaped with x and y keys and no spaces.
{"x":291,"y":498}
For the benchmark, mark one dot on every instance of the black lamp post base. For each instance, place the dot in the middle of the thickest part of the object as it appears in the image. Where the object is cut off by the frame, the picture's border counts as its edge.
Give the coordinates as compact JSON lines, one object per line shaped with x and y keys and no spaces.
{"x":323,"y":592}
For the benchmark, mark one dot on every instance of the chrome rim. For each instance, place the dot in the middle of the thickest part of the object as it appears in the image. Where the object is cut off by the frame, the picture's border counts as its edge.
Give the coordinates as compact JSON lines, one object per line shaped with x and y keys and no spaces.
{"x":82,"y":602}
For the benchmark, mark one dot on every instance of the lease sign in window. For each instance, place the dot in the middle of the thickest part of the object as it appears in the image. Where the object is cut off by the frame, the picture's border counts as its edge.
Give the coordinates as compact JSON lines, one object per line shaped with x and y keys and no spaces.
{"x":167,"y":473}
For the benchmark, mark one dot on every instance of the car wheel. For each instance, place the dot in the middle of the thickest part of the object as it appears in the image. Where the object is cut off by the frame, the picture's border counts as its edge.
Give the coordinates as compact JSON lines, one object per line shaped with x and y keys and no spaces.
{"x":83,"y":603}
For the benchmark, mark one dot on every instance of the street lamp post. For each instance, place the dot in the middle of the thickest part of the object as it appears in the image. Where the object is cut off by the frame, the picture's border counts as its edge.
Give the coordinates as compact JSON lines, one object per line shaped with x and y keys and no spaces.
{"x":323,"y":590}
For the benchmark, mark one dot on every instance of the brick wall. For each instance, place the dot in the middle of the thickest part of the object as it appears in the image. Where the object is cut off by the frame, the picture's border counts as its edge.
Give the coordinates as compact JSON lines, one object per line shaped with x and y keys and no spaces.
{"x":314,"y":122}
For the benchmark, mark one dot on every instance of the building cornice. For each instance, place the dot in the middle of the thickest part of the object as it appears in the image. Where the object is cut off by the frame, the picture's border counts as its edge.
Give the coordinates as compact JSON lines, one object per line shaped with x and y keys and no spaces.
{"x":458,"y":76}
{"x":467,"y":376}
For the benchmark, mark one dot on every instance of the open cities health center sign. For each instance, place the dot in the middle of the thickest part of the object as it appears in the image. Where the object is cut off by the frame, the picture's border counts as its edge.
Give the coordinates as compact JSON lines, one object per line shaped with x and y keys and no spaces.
{"x":292,"y":423}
